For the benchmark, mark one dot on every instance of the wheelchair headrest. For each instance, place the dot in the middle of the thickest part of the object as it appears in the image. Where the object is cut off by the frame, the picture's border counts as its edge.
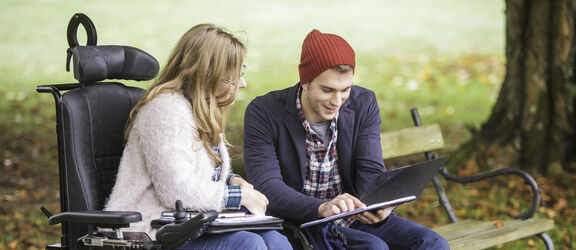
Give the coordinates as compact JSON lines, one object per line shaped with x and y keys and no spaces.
{"x":97,"y":63}
{"x":94,"y":63}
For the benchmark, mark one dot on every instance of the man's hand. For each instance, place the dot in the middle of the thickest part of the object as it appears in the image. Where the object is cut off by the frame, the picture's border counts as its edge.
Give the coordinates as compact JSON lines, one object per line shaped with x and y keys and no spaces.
{"x":340,"y":204}
{"x":369,"y":217}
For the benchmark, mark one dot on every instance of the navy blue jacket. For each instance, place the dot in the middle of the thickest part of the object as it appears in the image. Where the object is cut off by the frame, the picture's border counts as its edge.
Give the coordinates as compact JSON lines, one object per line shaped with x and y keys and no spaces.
{"x":275,"y":150}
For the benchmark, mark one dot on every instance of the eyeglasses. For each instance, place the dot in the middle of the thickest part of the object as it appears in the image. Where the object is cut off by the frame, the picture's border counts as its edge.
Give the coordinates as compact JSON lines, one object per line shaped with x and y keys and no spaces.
{"x":233,"y":83}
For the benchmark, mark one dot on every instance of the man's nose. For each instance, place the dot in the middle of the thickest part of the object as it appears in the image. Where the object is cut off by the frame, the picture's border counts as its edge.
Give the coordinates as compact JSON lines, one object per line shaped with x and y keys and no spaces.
{"x":337,"y":99}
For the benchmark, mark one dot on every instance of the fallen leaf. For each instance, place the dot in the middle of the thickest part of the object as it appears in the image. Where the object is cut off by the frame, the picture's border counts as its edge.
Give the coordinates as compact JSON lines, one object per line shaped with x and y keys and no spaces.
{"x":560,"y":204}
{"x":469,"y":169}
{"x":13,"y":244}
{"x":498,"y":223}
{"x":461,"y":212}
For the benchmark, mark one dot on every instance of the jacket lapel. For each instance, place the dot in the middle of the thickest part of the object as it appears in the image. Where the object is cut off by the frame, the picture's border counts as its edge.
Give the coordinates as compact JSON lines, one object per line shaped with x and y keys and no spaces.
{"x":343,"y":145}
{"x":296,"y":132}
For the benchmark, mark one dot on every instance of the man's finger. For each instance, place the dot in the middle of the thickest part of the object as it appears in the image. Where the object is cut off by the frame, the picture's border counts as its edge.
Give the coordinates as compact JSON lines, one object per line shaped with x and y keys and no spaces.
{"x":350,"y":204}
{"x":363,"y":218}
{"x":356,"y":203}
{"x":335,"y":209}
{"x":371,"y":217}
{"x":341,"y":205}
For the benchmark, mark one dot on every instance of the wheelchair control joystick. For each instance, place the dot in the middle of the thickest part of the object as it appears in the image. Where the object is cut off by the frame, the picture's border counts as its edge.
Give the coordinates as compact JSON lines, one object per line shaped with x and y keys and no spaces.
{"x":179,"y":214}
{"x":182,"y":230}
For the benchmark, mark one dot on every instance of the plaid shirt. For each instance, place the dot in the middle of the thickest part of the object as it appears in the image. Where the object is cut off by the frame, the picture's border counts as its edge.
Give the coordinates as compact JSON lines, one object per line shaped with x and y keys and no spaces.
{"x":232,"y":194}
{"x":322,"y":172}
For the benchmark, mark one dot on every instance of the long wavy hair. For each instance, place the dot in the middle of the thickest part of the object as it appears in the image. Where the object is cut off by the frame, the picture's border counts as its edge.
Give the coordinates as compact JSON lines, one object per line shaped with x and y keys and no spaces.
{"x":204,"y":56}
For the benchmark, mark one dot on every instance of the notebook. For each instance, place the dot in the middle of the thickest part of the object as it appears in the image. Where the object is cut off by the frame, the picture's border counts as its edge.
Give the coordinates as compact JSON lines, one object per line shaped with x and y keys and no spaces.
{"x":227,"y":222}
{"x":393,"y":188}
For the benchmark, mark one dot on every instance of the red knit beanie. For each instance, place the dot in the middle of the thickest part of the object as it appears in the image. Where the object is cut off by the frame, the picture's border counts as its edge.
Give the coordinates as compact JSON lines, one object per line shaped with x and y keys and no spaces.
{"x":321,"y":51}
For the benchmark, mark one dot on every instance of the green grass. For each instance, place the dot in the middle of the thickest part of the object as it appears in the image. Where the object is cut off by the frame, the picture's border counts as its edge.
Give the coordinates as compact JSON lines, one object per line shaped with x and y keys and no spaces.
{"x":411,"y":53}
{"x":443,"y":56}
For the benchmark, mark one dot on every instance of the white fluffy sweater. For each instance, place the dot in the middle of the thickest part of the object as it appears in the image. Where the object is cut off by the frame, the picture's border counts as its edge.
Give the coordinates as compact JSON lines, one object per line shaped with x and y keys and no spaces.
{"x":164,"y":161}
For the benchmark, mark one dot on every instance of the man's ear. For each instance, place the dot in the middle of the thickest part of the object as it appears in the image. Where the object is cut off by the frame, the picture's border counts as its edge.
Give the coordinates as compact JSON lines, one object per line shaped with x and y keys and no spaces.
{"x":305,"y":85}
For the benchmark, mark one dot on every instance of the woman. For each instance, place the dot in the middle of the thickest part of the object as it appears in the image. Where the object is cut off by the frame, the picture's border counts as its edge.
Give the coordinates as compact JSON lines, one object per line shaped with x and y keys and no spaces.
{"x":175,"y":149}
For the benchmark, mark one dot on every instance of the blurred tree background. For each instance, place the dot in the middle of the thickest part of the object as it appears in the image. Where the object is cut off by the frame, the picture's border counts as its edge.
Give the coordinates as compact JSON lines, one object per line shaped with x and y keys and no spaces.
{"x":446,"y":57}
{"x":534,"y":120}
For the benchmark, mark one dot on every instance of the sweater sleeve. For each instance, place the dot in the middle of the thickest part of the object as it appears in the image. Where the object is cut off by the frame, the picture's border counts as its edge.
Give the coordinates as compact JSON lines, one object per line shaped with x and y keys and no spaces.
{"x":179,"y":166}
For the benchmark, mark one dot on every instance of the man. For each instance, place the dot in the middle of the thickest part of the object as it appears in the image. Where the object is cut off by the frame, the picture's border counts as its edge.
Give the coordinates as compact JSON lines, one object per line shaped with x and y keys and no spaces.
{"x":313,"y":148}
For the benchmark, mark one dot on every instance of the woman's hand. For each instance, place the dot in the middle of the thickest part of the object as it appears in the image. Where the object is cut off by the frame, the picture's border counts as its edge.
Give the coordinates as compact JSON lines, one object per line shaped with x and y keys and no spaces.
{"x":253,"y":200}
{"x":238,"y":181}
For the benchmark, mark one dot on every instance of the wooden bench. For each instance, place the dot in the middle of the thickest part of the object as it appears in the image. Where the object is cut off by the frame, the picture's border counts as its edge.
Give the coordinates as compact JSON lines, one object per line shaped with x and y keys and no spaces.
{"x":466,"y":234}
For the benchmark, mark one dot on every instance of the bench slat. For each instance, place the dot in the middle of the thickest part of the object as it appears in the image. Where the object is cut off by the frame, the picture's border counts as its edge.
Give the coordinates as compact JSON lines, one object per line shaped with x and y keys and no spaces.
{"x":411,"y":140}
{"x":466,"y":234}
{"x":469,"y":234}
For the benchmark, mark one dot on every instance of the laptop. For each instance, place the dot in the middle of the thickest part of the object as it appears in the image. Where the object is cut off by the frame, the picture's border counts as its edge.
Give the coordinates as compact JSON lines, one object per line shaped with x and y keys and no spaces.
{"x":393,"y":187}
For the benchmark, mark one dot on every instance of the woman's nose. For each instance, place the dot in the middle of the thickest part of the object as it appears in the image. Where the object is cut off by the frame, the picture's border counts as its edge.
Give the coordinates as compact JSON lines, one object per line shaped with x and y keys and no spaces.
{"x":242,"y":83}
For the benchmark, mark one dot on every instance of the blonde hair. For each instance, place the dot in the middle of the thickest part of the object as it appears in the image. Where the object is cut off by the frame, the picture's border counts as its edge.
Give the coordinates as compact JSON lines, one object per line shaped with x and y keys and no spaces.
{"x":204,"y":56}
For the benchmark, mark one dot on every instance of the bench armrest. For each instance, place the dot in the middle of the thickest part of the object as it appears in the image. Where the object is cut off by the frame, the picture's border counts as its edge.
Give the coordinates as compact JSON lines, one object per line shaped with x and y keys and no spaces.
{"x":502,"y":172}
{"x":104,"y":219}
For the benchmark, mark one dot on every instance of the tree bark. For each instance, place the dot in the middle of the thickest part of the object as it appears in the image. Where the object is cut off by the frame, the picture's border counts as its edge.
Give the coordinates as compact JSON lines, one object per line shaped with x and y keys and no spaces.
{"x":532,"y":125}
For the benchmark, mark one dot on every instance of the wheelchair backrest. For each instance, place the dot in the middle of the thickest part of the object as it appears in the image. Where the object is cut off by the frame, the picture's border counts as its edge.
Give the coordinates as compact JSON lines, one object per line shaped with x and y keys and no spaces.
{"x":91,"y":117}
{"x":93,"y":120}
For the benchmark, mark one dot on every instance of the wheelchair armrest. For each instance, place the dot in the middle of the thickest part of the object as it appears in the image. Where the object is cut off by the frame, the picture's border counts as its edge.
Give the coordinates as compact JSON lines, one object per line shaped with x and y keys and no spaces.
{"x":105,"y":219}
{"x":528,"y":180}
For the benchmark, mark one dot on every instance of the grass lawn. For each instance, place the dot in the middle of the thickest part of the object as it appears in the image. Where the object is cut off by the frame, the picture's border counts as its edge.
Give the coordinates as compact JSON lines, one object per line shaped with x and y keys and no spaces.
{"x":411,"y":53}
{"x":443,"y":56}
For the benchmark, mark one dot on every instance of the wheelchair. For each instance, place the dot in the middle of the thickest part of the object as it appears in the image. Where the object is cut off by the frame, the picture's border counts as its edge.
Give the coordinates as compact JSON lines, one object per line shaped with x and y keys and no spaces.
{"x":90,"y":120}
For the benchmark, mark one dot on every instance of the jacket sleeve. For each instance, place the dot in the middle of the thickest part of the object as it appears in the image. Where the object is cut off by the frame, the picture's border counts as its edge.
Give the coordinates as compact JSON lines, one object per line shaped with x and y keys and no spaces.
{"x":263,"y":168}
{"x":177,"y":164}
{"x":367,"y":151}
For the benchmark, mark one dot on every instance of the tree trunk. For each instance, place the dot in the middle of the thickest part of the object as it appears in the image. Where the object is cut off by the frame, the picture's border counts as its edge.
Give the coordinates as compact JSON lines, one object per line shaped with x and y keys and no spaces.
{"x":532,"y":125}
